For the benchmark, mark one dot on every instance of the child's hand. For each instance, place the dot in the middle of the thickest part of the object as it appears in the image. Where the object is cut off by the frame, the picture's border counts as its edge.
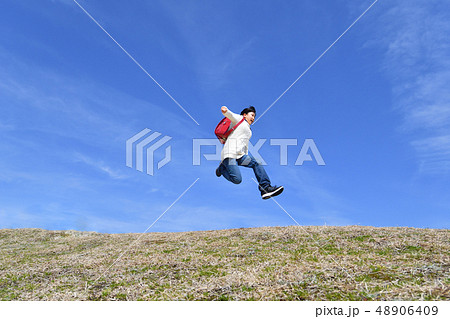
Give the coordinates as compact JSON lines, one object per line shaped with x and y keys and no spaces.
{"x":224,"y":109}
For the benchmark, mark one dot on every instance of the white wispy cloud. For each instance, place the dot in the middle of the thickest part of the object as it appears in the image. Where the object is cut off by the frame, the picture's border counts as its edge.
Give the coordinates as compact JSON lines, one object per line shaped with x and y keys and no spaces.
{"x":324,"y":204}
{"x":435,"y":153}
{"x":216,"y":51}
{"x":68,"y":2}
{"x":415,"y":37}
{"x":70,"y":124}
{"x":99,"y":165}
{"x":6,"y":127}
{"x":56,"y":216}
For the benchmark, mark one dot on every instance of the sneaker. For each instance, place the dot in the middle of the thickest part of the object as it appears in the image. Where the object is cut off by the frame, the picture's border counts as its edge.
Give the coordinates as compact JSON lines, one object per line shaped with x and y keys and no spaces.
{"x":271,"y":191}
{"x":218,"y":174}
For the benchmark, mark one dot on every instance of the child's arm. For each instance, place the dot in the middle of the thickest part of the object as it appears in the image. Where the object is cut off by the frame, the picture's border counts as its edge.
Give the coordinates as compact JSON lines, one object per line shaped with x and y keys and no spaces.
{"x":234,"y":118}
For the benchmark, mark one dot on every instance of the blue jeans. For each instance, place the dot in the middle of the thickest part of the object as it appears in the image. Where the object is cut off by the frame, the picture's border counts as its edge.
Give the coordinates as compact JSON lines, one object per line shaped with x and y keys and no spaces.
{"x":230,"y":170}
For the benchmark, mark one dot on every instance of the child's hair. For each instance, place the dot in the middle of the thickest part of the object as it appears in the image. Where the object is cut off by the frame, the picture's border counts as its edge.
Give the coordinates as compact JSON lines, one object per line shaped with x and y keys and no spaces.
{"x":248,"y":110}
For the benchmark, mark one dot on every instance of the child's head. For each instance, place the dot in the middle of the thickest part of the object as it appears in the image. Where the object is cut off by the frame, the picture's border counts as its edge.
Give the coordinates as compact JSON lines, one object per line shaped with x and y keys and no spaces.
{"x":249,"y":114}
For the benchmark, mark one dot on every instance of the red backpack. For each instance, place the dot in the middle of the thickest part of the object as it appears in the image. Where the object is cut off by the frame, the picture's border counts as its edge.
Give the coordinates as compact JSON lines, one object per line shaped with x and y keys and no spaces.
{"x":223,"y":129}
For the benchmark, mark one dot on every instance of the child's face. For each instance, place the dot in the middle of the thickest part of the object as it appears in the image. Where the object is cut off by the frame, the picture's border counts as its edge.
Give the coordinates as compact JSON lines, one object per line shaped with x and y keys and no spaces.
{"x":249,"y":117}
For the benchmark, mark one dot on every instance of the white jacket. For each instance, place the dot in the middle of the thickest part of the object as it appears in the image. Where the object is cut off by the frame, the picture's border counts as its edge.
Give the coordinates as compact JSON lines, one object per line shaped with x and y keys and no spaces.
{"x":236,"y":145}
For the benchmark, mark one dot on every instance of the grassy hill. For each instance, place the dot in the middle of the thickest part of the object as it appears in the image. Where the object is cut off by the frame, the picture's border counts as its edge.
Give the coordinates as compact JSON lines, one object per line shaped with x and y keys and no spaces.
{"x":269,"y":263}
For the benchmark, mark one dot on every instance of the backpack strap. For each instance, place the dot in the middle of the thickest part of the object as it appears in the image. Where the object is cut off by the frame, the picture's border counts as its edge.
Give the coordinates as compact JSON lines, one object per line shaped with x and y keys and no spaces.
{"x":233,"y":128}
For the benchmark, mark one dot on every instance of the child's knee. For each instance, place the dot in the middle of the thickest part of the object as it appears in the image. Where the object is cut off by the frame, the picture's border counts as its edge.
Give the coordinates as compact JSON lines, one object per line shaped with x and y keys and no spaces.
{"x":236,"y":179}
{"x":255,"y":162}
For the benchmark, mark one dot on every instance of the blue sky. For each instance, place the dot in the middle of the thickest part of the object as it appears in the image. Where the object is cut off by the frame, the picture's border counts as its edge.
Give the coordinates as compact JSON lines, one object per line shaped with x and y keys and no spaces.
{"x":376,"y":104}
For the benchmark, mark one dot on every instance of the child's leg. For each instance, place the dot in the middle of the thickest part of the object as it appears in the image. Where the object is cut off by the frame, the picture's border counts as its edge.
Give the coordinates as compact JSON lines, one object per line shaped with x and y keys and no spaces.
{"x":258,"y":169}
{"x":230,"y":170}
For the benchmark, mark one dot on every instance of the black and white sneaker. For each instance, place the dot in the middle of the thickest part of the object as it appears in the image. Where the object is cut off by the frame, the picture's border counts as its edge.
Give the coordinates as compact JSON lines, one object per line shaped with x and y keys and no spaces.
{"x":271,"y":191}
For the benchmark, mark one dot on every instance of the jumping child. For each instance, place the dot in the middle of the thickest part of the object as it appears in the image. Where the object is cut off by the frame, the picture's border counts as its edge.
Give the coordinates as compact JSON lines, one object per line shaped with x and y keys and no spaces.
{"x":235,"y":153}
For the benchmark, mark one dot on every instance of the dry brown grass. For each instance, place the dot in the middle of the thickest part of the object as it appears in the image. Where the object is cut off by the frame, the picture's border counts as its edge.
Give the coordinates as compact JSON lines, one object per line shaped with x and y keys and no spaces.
{"x":269,"y":263}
